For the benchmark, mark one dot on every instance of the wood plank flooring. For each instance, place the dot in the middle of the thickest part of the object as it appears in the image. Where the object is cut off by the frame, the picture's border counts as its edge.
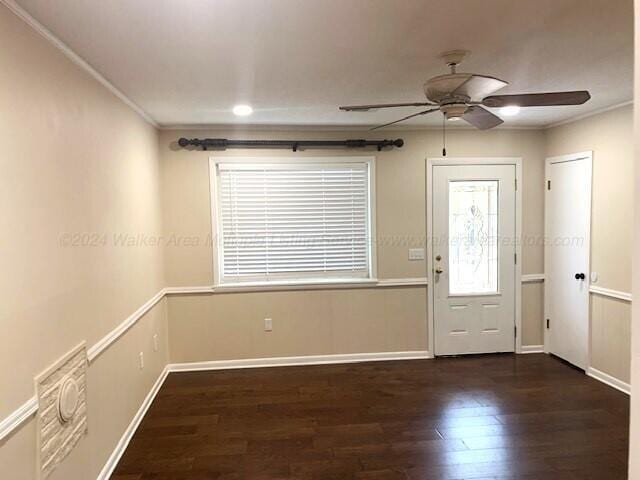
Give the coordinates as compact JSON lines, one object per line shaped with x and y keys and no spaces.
{"x":519,"y":417}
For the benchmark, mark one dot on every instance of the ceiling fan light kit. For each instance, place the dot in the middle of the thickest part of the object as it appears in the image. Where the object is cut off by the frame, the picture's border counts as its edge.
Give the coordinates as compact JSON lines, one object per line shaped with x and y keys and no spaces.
{"x":464,"y":96}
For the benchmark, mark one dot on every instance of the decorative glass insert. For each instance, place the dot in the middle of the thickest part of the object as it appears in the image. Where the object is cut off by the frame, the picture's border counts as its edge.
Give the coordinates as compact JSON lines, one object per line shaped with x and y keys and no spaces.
{"x":473,"y":237}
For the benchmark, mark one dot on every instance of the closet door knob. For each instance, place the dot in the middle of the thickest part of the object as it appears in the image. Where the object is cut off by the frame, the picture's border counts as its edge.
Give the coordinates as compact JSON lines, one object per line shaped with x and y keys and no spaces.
{"x":580,"y":276}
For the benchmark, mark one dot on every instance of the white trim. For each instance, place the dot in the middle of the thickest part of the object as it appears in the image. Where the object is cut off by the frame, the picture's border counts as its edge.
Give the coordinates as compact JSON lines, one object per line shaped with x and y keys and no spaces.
{"x":403,"y":282}
{"x":571,"y":157}
{"x":588,"y":155}
{"x":298,"y":361}
{"x":18,"y":417}
{"x":188,"y":290}
{"x":262,"y":127}
{"x":517,"y":162}
{"x":589,"y":114}
{"x":533,"y":278}
{"x":300,"y":285}
{"x":294,"y":285}
{"x":532,"y":349}
{"x":609,"y":380}
{"x":75,"y":58}
{"x":606,"y":292}
{"x":120,"y":448}
{"x":117,"y":332}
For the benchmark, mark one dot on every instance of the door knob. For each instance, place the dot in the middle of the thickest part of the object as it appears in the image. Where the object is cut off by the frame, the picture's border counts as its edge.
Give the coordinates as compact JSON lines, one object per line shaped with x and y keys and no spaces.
{"x":580,"y":276}
{"x":439,"y":270}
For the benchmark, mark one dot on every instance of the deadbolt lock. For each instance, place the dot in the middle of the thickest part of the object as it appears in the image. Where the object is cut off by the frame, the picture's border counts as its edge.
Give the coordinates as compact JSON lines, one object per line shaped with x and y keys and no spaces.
{"x":438,"y":258}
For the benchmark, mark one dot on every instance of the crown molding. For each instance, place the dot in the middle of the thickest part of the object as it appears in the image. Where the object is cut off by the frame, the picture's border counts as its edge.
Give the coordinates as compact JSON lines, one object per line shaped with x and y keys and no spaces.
{"x":589,"y":114}
{"x":243,"y":128}
{"x":22,"y":14}
{"x":84,"y":65}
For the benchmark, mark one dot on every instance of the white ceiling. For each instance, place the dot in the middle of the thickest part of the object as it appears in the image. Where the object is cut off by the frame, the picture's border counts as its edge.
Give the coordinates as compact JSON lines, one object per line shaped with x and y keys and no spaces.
{"x":188,"y":62}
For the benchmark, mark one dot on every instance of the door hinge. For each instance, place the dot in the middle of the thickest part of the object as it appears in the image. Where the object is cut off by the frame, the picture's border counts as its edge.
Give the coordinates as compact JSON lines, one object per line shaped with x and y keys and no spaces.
{"x":515,"y":332}
{"x":547,"y":323}
{"x":548,"y":184}
{"x":516,"y":182}
{"x":515,"y":258}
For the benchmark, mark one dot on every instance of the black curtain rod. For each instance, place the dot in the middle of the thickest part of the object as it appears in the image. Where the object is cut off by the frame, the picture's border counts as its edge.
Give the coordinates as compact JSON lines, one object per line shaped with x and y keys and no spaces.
{"x":295,"y":145}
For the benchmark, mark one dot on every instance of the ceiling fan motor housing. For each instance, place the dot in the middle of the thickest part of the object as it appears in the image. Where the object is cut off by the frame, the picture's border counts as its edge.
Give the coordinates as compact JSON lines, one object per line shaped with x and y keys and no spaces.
{"x":442,"y":88}
{"x":454,"y":111}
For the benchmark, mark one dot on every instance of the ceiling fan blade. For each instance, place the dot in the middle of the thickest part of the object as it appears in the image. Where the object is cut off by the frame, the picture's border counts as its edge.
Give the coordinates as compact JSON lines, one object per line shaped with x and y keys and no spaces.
{"x":364,"y":108}
{"x":479,"y":86}
{"x":538,"y":99}
{"x":406,"y":118}
{"x":481,"y":118}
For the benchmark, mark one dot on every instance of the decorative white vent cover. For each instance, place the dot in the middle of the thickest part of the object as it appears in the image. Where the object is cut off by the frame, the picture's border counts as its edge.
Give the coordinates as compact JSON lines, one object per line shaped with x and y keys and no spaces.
{"x":62,"y":409}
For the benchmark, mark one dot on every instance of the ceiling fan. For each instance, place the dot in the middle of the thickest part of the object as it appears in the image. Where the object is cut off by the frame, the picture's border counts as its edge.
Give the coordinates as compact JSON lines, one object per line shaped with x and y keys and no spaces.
{"x":463,"y":96}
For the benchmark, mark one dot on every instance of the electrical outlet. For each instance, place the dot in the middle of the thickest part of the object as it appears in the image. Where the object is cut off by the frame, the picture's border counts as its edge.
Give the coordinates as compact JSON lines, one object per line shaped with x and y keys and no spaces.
{"x":141,"y":358}
{"x":155,"y":342}
{"x":268,"y":325}
{"x":416,"y":254}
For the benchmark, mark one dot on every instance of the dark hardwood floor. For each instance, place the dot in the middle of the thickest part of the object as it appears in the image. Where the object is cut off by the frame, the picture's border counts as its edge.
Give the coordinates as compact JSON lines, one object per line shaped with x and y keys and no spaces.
{"x":496,"y":416}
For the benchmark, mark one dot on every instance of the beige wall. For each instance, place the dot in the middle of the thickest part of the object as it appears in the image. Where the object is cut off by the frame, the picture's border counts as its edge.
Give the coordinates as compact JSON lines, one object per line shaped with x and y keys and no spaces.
{"x":634,"y":448}
{"x":75,"y":160}
{"x":609,"y":135}
{"x":227,"y":326}
{"x":319,"y":322}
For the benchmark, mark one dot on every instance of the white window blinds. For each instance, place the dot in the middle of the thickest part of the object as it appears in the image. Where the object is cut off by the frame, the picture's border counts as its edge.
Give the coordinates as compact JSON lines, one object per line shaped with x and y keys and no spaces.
{"x":293,"y":221}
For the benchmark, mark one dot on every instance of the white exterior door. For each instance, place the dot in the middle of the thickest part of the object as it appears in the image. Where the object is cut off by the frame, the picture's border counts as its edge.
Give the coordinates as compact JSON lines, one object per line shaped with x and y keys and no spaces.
{"x":567,"y":228}
{"x":474,"y":246}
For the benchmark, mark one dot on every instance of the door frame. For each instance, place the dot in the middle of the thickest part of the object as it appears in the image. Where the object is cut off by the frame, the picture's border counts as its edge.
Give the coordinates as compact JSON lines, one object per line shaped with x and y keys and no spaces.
{"x":571,"y":157}
{"x":462,"y":161}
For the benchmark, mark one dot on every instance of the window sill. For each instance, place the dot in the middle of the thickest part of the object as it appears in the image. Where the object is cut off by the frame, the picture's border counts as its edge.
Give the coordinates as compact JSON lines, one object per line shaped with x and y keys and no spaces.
{"x":319,"y":284}
{"x":296,"y":285}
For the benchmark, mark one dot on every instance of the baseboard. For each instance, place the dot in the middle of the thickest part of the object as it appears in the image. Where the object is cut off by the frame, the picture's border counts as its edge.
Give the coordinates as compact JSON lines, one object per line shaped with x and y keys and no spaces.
{"x":294,"y":361}
{"x":609,"y":380}
{"x":114,"y":458}
{"x":532,"y":349}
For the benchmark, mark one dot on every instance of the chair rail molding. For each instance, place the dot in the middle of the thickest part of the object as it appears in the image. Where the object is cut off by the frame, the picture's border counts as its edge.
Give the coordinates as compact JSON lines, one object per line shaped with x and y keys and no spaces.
{"x":607,"y":292}
{"x":18,"y":417}
{"x":532,"y":277}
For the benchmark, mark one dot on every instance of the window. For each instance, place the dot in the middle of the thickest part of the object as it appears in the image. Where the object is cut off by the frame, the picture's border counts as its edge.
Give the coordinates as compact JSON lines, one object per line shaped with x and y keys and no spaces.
{"x":473,"y":237}
{"x":300,"y":220}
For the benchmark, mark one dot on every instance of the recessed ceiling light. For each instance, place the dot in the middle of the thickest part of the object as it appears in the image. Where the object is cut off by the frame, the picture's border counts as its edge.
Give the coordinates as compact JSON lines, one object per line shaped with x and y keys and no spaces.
{"x":242,"y":110}
{"x":510,"y":110}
